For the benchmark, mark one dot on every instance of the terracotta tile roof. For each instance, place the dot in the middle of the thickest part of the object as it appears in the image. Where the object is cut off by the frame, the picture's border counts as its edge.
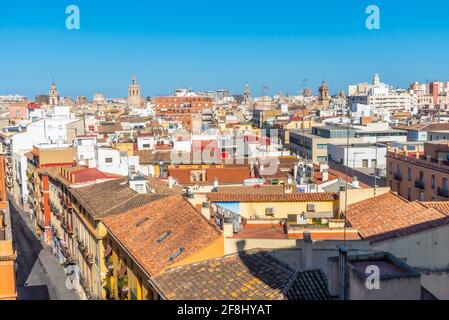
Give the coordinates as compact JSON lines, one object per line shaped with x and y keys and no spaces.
{"x":257,"y":189}
{"x":390,"y":216}
{"x":139,"y":229}
{"x":426,"y":127}
{"x":111,"y":197}
{"x":261,"y":231}
{"x":150,"y":157}
{"x":289,"y":197}
{"x":333,"y":175}
{"x":161,"y":186}
{"x":442,"y":206}
{"x":226,"y":175}
{"x":252,"y":275}
{"x":109,"y":127}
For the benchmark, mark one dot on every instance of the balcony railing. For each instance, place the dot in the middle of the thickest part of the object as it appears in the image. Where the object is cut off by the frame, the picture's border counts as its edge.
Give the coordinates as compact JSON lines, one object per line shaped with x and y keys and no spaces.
{"x":420,"y":184}
{"x":443,"y":192}
{"x":398,"y":177}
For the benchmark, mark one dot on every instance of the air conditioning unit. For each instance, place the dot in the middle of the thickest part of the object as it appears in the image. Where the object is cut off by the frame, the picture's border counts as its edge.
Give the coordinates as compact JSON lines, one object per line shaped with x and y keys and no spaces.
{"x":269,"y":211}
{"x":311,"y":207}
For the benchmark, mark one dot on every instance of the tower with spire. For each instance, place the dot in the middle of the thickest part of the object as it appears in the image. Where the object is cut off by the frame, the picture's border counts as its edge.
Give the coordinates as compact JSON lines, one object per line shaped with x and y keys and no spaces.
{"x":53,"y":96}
{"x":376,"y":80}
{"x":247,"y":94}
{"x":324,"y":96}
{"x":134,"y":99}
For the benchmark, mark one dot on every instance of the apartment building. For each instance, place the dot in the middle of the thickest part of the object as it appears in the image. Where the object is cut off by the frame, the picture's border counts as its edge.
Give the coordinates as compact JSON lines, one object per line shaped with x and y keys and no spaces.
{"x":313,"y":144}
{"x":263,"y":117}
{"x":3,"y":194}
{"x":143,"y":242}
{"x":40,"y":159}
{"x":417,"y":175}
{"x":75,"y":231}
{"x":117,"y":161}
{"x":8,"y":290}
{"x":186,"y":109}
{"x":417,"y":232}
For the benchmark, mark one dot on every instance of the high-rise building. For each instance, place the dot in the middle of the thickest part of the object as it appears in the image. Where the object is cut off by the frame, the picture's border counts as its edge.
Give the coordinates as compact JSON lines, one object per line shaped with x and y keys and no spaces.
{"x":188,"y":109}
{"x":134,"y":99}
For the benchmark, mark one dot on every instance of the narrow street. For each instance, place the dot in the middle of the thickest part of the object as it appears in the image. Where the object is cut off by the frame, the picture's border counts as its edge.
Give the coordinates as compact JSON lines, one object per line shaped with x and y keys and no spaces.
{"x":39,"y":274}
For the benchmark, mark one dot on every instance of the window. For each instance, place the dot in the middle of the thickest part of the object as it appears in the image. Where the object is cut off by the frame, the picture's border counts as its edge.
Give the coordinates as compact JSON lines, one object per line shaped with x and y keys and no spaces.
{"x":409,"y":194}
{"x":398,"y":170}
{"x":444,"y":184}
{"x":108,"y":160}
{"x":391,"y":167}
{"x":409,"y":174}
{"x":365,"y":163}
{"x":321,"y":146}
{"x":433,"y":182}
{"x":322,"y":159}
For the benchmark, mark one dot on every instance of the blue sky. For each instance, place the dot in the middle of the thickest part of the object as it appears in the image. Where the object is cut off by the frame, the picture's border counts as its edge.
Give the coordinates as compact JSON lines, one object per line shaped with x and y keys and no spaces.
{"x":218,"y":44}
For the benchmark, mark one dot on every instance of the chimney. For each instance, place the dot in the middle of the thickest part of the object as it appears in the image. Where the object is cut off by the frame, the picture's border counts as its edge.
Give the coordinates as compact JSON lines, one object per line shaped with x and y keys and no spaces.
{"x":171,"y":182}
{"x":228,"y":230}
{"x":355,"y":182}
{"x":288,"y":189}
{"x":216,"y":184}
{"x":307,"y":252}
{"x":205,"y":210}
{"x":295,"y":172}
{"x":325,"y":175}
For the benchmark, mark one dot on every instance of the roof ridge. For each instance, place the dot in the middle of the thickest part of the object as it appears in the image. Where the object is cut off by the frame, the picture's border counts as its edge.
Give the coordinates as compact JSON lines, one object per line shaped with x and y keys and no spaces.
{"x":201,"y":215}
{"x":251,"y":251}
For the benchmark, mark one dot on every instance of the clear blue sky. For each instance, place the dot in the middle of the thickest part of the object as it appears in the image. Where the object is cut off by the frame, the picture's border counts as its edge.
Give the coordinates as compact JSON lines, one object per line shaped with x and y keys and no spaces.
{"x":209,"y":44}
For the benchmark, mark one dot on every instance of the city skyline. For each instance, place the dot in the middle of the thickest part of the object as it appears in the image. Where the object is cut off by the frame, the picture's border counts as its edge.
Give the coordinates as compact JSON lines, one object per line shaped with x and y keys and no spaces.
{"x":277,"y":45}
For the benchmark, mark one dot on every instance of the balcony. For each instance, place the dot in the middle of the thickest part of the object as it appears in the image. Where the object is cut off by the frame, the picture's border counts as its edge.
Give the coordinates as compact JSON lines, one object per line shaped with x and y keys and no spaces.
{"x":420,"y":184}
{"x":443,"y":192}
{"x":398,"y":177}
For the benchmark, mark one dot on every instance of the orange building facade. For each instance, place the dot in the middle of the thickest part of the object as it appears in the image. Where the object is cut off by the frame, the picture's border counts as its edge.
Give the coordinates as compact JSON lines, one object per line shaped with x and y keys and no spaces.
{"x":420,"y":176}
{"x":183,"y":109}
{"x":38,"y":185}
{"x":7,"y":257}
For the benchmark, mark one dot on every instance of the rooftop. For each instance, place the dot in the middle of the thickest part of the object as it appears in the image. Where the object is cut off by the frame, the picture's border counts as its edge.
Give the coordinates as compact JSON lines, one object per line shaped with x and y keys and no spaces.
{"x":252,"y":275}
{"x":139,"y":230}
{"x":390,"y":216}
{"x":288,"y":197}
{"x":111,"y":197}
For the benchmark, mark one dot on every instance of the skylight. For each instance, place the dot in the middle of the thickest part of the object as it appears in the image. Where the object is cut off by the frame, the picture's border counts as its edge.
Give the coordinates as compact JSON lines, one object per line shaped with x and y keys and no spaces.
{"x":141,"y":222}
{"x":164,"y":236}
{"x":176,"y":254}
